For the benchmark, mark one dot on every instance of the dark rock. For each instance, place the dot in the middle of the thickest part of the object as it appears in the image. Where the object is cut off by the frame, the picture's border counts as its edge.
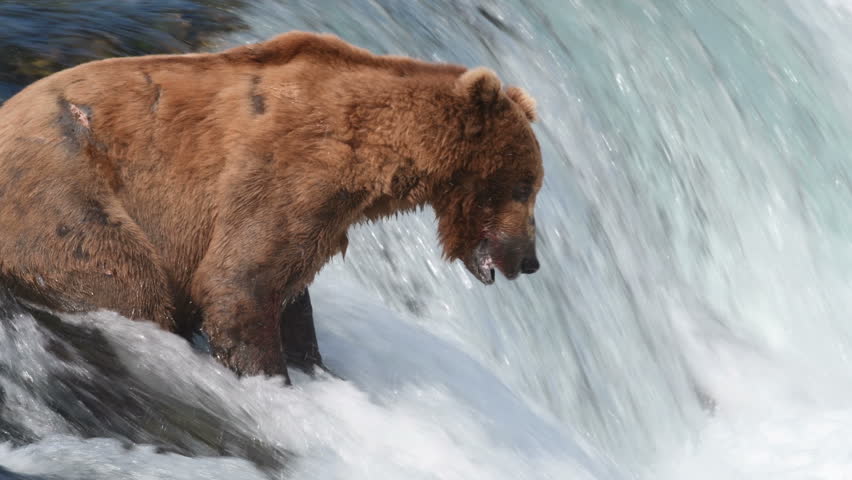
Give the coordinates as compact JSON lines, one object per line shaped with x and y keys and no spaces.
{"x":99,"y":397}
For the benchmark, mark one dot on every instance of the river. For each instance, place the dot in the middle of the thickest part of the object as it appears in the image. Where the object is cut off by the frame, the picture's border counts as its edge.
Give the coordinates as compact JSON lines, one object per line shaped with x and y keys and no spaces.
{"x":689,"y":321}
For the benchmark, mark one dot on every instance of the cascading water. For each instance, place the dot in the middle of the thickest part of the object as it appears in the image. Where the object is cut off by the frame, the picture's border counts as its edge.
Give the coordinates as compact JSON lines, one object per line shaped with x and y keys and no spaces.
{"x":689,"y":319}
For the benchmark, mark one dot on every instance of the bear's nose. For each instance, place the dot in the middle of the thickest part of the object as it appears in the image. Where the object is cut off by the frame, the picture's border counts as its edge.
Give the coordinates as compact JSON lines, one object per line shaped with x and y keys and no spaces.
{"x":529,"y":265}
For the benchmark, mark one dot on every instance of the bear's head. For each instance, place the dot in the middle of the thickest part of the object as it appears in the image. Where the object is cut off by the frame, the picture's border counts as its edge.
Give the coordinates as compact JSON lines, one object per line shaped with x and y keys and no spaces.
{"x":486,"y":208}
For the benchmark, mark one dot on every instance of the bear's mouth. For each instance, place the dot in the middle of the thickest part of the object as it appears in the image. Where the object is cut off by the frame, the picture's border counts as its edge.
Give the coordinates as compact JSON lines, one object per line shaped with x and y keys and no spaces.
{"x":481,"y":264}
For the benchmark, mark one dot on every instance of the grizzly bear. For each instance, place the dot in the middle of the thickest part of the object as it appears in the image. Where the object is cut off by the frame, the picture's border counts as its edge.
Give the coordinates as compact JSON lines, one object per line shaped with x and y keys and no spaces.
{"x":207,"y":190}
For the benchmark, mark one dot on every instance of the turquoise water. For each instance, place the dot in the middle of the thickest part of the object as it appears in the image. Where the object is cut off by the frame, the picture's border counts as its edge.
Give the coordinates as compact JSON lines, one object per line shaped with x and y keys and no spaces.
{"x":690,"y":316}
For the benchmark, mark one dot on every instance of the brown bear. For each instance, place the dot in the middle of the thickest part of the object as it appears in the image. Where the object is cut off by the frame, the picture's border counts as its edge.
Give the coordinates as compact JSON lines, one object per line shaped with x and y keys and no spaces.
{"x":207,"y":190}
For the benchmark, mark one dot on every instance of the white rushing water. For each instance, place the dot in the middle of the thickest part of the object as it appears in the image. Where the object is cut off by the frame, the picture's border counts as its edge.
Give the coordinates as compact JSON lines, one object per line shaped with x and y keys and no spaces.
{"x":690,"y":317}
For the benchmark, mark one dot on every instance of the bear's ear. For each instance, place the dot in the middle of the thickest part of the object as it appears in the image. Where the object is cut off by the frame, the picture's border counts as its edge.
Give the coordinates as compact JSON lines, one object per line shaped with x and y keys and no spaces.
{"x":480,"y":85}
{"x":524,"y":100}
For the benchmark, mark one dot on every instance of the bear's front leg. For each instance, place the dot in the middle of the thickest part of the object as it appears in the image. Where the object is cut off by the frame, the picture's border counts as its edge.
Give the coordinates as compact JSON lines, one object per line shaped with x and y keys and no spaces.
{"x":246,"y":339}
{"x":242,"y":326}
{"x":247,"y":345}
{"x":265,"y":249}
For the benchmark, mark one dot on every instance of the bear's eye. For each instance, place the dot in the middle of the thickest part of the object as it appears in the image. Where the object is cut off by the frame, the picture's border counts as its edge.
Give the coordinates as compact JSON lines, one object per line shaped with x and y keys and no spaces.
{"x":522,"y":192}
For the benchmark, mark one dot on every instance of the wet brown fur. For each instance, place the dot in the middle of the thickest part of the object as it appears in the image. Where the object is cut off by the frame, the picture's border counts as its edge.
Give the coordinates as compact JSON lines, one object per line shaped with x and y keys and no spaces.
{"x":221,"y":183}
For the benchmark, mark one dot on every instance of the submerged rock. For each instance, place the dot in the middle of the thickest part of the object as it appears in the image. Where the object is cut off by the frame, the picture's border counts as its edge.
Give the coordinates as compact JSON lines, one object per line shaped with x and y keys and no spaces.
{"x":82,"y":381}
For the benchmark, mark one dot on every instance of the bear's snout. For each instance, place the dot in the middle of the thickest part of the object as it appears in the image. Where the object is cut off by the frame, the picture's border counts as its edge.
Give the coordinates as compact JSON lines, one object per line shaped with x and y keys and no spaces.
{"x":516,"y":255}
{"x":529,"y":265}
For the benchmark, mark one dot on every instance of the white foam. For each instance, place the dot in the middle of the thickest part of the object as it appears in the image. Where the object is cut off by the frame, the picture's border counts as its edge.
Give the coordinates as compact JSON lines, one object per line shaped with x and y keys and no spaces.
{"x":75,"y":459}
{"x":413,"y":406}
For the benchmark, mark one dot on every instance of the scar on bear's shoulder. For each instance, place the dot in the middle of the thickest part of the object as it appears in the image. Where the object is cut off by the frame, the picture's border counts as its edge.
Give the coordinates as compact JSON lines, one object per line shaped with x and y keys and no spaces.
{"x":74,"y":121}
{"x":158,"y":91}
{"x":157,"y":95}
{"x":258,"y":101}
{"x":81,"y":114}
